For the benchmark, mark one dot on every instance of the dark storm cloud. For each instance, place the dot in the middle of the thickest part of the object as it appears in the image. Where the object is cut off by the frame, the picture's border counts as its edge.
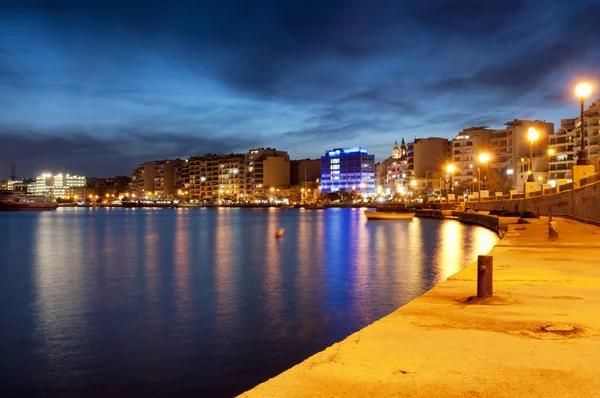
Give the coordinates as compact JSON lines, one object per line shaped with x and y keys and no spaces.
{"x":530,"y":68}
{"x":285,"y":73}
{"x":85,"y":153}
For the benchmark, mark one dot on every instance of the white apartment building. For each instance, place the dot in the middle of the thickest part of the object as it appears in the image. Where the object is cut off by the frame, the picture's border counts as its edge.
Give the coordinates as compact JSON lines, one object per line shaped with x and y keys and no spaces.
{"x":510,"y":147}
{"x":55,"y":186}
{"x":565,"y":143}
{"x":466,"y":146}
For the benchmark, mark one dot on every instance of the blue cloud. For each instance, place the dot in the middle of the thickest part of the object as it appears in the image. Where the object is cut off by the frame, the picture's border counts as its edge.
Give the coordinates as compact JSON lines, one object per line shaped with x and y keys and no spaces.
{"x":286,"y":74}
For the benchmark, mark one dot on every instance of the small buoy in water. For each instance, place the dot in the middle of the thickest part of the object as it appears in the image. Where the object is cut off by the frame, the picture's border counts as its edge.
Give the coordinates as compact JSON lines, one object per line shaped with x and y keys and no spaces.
{"x":279,"y":233}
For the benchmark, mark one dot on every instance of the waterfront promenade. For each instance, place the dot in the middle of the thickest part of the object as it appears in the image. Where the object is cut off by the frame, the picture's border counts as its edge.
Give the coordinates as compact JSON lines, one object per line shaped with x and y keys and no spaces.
{"x":443,"y":344}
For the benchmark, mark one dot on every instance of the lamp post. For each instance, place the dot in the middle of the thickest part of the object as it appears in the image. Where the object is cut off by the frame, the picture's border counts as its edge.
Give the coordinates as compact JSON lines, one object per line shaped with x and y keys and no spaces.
{"x":483,"y":158}
{"x":450,"y":169}
{"x":532,"y":136}
{"x":583,"y":90}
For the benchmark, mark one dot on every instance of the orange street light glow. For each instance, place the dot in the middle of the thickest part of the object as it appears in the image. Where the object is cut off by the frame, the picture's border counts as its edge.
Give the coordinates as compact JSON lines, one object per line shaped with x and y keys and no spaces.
{"x":532,"y":134}
{"x":583,"y":90}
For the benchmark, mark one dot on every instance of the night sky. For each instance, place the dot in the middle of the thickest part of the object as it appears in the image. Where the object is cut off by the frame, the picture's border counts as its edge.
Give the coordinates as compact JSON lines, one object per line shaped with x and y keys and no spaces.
{"x":97,"y":87}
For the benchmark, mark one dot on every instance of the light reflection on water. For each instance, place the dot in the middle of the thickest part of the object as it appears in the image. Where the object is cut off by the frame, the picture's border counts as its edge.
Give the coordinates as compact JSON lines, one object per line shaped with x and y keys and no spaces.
{"x":144,"y":302}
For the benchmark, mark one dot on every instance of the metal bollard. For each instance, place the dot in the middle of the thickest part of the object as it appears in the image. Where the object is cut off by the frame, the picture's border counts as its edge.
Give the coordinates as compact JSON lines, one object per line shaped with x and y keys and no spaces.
{"x":549,"y":214}
{"x":485,"y":276}
{"x":553,"y":230}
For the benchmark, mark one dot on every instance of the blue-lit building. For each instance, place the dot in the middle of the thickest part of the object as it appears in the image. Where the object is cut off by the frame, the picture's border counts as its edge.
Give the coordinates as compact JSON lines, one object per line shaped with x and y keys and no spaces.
{"x":352,"y":169}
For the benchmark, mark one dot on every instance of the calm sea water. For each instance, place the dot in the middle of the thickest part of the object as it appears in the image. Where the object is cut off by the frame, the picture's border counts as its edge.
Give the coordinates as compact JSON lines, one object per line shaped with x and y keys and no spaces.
{"x":201,"y":302}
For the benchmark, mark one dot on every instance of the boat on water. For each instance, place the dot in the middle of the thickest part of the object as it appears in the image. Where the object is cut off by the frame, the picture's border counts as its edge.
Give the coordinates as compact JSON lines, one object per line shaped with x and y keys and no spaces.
{"x":17,"y":201}
{"x":149,"y":203}
{"x":388,"y":215}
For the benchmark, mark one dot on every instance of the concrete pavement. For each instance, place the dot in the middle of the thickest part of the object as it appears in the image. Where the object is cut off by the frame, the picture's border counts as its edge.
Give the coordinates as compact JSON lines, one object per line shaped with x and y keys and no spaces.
{"x":538,"y":336}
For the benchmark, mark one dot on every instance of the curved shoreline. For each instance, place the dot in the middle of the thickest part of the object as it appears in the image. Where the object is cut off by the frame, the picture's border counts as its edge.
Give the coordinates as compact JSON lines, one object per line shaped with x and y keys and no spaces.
{"x":444,"y":344}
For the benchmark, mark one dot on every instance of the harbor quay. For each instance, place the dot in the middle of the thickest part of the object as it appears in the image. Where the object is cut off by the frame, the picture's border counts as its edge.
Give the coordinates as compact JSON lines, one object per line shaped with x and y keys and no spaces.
{"x":538,"y":335}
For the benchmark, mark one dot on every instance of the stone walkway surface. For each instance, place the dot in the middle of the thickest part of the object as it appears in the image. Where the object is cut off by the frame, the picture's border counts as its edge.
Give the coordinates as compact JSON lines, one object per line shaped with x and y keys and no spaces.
{"x":539,"y":336}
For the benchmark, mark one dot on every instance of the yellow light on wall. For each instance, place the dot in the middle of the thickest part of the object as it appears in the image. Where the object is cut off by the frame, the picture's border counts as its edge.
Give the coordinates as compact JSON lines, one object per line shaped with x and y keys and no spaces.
{"x":551,"y":151}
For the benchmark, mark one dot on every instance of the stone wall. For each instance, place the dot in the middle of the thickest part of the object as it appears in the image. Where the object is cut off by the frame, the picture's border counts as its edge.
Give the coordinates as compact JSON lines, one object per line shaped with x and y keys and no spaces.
{"x":583,"y":203}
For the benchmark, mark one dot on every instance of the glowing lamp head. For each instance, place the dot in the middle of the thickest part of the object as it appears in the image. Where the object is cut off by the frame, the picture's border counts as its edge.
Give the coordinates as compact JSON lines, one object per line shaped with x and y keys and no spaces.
{"x":484,"y":158}
{"x":413,"y":183}
{"x":583,"y":90}
{"x":551,"y":151}
{"x":451,"y":168}
{"x":532,"y":134}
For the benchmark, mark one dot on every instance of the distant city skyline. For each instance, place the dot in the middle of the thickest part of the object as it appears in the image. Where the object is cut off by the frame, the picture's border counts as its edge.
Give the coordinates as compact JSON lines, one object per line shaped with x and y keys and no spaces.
{"x":96,"y":89}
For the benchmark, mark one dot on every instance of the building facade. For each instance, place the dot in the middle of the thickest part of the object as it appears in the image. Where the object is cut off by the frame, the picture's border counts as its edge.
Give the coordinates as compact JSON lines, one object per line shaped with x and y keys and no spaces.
{"x":565,"y":143}
{"x":466,"y":146}
{"x":351,"y":169}
{"x":392,"y":175}
{"x":429,"y":156}
{"x":232,"y":182}
{"x":510,"y":146}
{"x":214,"y":178}
{"x":55,"y":185}
{"x":161,"y":178}
{"x":306,"y":170}
{"x":16,"y":185}
{"x":265,"y":168}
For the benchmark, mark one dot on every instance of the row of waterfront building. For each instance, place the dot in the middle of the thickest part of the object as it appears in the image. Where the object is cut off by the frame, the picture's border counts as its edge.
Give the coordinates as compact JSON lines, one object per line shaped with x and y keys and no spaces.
{"x":418,"y":167}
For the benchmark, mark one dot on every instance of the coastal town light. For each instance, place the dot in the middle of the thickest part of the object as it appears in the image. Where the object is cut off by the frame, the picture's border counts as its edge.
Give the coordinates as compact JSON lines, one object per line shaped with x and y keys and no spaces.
{"x":450,"y":169}
{"x":532,"y":136}
{"x":583,"y":90}
{"x":483,"y":158}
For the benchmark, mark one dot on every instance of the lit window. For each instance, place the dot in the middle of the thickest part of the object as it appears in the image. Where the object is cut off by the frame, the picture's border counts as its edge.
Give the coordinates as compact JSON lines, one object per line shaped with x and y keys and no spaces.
{"x":510,"y":171}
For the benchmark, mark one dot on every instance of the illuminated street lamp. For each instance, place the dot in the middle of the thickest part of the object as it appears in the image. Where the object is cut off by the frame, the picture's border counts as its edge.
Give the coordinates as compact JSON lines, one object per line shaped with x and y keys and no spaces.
{"x":450,"y":169}
{"x":532,"y":136}
{"x":484,"y":158}
{"x":583,"y":90}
